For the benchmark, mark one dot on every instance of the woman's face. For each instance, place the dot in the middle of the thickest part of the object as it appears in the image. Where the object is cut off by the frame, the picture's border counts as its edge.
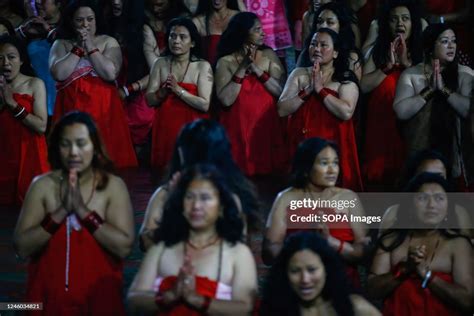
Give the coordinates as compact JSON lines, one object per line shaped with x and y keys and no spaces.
{"x":201,"y":204}
{"x":256,"y":35}
{"x":400,"y":22}
{"x":325,"y":168}
{"x":219,"y":4}
{"x":321,"y":49}
{"x":84,"y":18}
{"x":117,"y":7}
{"x":180,"y":40}
{"x":159,"y":7}
{"x":431,"y":204}
{"x":445,"y":47}
{"x":328,"y":19}
{"x":432,"y":166}
{"x":76,"y":148}
{"x":10,"y":62}
{"x":306,"y":274}
{"x":47,"y":8}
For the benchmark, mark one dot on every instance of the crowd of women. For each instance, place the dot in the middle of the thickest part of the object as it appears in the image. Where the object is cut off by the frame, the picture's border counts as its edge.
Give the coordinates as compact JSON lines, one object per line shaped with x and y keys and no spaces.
{"x":87,"y":86}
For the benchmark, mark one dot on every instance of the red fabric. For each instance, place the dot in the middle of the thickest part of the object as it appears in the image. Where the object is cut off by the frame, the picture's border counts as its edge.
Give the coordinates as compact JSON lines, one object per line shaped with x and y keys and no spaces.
{"x":440,"y":7}
{"x":297,"y":9}
{"x":140,"y":118}
{"x":209,"y":47}
{"x":95,"y":278}
{"x":169,"y":118}
{"x":255,"y":130}
{"x":384,"y":150}
{"x":204,"y":287}
{"x":24,"y":154}
{"x":101,"y":100}
{"x":313,"y":119}
{"x":365,"y":16}
{"x":409,"y":299}
{"x":161,"y":40}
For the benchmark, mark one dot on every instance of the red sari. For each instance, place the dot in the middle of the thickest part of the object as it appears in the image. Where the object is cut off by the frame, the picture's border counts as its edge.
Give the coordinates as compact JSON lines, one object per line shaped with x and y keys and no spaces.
{"x":161,"y":40}
{"x":94,"y":277}
{"x":409,"y":299}
{"x":24,"y":154}
{"x":255,"y":130}
{"x":313,"y":119}
{"x":384,"y":150}
{"x":170,"y":117}
{"x":209,"y":47}
{"x":85,"y":91}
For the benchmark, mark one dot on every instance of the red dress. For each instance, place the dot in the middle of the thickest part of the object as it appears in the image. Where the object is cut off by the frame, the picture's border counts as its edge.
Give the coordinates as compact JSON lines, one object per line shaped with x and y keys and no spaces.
{"x":85,"y":91}
{"x":170,"y":117}
{"x":94,"y":277}
{"x":313,"y":119}
{"x":409,"y":299}
{"x":24,"y":154}
{"x":384,"y":150}
{"x":255,"y":130}
{"x":161,"y":40}
{"x":209,"y":47}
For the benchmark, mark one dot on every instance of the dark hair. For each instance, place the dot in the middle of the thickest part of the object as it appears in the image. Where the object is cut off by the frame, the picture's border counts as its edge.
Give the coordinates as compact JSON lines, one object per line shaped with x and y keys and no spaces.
{"x":206,"y":141}
{"x":176,"y":8}
{"x":8,"y":25}
{"x":205,"y":8}
{"x":66,"y":29}
{"x":450,"y":72}
{"x":418,"y":158}
{"x":26,"y":67}
{"x":406,"y":216}
{"x":100,"y":162}
{"x":236,"y":34}
{"x":278,"y":296}
{"x":174,"y":226}
{"x":385,"y":37}
{"x":195,"y":52}
{"x":304,"y":159}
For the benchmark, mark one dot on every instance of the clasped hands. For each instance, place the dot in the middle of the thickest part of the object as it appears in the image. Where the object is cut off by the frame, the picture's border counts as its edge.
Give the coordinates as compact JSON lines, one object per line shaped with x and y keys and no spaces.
{"x":398,"y":53}
{"x":6,"y":94}
{"x":71,"y":197}
{"x":416,"y":262}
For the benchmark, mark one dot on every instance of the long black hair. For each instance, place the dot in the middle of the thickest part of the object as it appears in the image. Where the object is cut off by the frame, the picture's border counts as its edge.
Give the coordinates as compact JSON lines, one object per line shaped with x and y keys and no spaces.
{"x":8,"y":25}
{"x":279,"y":299}
{"x":195,"y":52}
{"x":65,"y":28}
{"x":205,"y":8}
{"x":25,"y":68}
{"x":174,"y":226}
{"x":385,"y":36}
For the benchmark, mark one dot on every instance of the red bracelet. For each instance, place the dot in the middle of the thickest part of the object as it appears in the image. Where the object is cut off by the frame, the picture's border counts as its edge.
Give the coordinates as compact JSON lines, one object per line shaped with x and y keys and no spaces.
{"x":78,"y":51}
{"x":95,"y":50}
{"x":130,"y":88}
{"x":205,"y":306}
{"x":303,"y":95}
{"x":237,"y":80}
{"x":323,"y":93}
{"x":341,"y":246}
{"x":264,"y":77}
{"x":92,"y":221}
{"x":49,"y":224}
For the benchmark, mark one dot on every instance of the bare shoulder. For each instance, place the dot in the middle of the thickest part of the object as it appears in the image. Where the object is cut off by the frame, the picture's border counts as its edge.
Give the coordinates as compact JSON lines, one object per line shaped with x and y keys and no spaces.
{"x":109,"y":41}
{"x":239,"y":250}
{"x":465,"y":71}
{"x":35,"y":83}
{"x":116,"y":185}
{"x":203,"y":64}
{"x":363,"y":307}
{"x":268,"y":52}
{"x":285,"y":196}
{"x":414,"y":70}
{"x":301,"y":71}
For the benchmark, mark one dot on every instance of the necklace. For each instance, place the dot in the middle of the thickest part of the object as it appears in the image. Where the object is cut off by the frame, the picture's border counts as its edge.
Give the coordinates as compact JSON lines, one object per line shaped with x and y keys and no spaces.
{"x":185,"y":71}
{"x":212,"y":241}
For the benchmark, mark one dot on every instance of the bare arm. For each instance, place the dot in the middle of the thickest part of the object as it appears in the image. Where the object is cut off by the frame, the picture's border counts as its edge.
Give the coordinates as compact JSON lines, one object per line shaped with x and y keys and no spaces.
{"x":38,"y":119}
{"x":156,"y":92}
{"x":343,"y":107}
{"x":61,"y":61}
{"x":362,"y":307}
{"x":150,"y":47}
{"x":407,"y":102}
{"x":154,"y":211}
{"x":205,"y":80}
{"x":371,"y":37}
{"x":228,"y":90}
{"x":107,"y":64}
{"x":289,"y":101}
{"x":460,"y":100}
{"x":276,"y":71}
{"x":382,"y":282}
{"x":373,"y":76}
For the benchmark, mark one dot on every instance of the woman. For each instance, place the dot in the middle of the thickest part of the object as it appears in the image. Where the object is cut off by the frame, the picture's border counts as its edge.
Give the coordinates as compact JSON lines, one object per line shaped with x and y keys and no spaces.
{"x":6,"y":28}
{"x":180,"y":87}
{"x":202,"y":141}
{"x":321,"y":100}
{"x":337,"y":17}
{"x":397,"y":47}
{"x":85,"y":64}
{"x":201,"y":266}
{"x":307,"y":279}
{"x":212,"y":18}
{"x":249,"y":77}
{"x":314,"y":176}
{"x":23,"y":120}
{"x":76,"y":226}
{"x":433,"y":101}
{"x":424,"y":267}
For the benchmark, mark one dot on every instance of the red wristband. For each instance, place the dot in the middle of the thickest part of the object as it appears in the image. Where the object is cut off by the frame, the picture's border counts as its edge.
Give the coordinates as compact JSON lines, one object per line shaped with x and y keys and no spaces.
{"x":92,"y":221}
{"x":264,"y":77}
{"x":341,"y":246}
{"x":323,"y":93}
{"x":49,"y":224}
{"x":237,"y":80}
{"x":78,"y":51}
{"x":95,"y":50}
{"x":303,"y":95}
{"x":130,"y":88}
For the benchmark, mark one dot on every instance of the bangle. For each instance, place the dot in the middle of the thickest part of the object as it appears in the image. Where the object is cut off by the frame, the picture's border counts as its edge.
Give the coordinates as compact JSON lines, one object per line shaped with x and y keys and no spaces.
{"x":131,"y":88}
{"x":446,"y":92}
{"x":92,"y":221}
{"x":426,"y":280}
{"x":237,"y":80}
{"x":95,"y":50}
{"x":181,"y":93}
{"x":49,"y":224}
{"x":323,"y":93}
{"x":264,"y":77}
{"x":20,"y":30}
{"x":19,"y":112}
{"x":426,"y":93}
{"x":51,"y":32}
{"x":205,"y":305}
{"x":386,"y":69}
{"x":78,"y":51}
{"x":303,"y":95}
{"x":125,"y":90}
{"x":341,"y":246}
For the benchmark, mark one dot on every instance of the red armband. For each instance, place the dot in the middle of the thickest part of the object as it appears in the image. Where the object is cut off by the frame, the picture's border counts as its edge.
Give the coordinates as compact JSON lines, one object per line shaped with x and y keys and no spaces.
{"x":303,"y":95}
{"x":78,"y":51}
{"x":130,"y":88}
{"x":92,"y":221}
{"x":49,"y":224}
{"x":264,"y":77}
{"x":323,"y":93}
{"x":237,"y":80}
{"x":95,"y":50}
